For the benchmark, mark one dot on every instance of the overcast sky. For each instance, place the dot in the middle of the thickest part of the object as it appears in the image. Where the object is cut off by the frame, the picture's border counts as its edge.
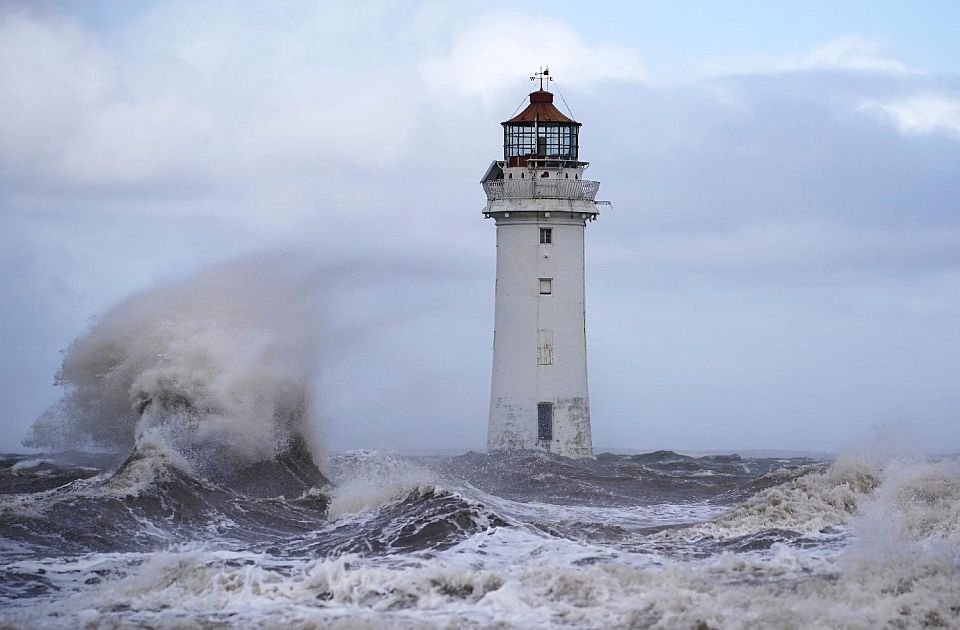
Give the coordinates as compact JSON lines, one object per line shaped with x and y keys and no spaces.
{"x":780,"y":268}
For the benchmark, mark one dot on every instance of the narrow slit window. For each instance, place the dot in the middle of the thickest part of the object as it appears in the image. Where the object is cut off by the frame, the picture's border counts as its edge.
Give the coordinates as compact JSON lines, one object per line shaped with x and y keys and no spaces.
{"x":545,"y":421}
{"x":546,"y":235}
{"x":546,"y":286}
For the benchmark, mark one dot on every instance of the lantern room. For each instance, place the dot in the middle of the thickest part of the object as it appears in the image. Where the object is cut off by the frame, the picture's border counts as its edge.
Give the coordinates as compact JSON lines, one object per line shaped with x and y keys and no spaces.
{"x":541,"y":135}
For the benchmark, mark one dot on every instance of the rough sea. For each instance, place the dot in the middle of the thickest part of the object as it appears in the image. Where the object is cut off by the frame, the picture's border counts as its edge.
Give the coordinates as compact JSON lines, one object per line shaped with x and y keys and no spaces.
{"x":522,"y":540}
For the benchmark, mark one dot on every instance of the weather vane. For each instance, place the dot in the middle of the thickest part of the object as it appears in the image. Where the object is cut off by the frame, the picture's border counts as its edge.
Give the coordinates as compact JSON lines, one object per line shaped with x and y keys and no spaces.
{"x":544,"y":73}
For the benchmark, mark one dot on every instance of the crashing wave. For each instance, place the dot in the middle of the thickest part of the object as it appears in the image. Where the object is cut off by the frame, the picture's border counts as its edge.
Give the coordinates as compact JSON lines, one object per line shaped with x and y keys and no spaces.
{"x":219,"y":366}
{"x":806,"y":504}
{"x":918,"y":504}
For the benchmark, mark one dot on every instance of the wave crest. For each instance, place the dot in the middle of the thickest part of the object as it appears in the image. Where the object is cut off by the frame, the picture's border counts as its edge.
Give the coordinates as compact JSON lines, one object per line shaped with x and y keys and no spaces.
{"x":810,"y":503}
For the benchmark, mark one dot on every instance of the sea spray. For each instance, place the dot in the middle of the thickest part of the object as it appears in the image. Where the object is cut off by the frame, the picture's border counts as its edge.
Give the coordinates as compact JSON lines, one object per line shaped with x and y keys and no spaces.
{"x":916,"y":509}
{"x":367,"y":479}
{"x":220,"y":365}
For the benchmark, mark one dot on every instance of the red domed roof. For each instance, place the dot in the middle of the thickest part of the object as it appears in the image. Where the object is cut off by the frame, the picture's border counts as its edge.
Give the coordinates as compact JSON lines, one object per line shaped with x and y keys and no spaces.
{"x":542,"y":109}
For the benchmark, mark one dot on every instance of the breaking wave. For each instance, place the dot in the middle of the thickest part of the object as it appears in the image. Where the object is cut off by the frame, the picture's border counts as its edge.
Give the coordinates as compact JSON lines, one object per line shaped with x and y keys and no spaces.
{"x":219,"y":366}
{"x":809,"y":503}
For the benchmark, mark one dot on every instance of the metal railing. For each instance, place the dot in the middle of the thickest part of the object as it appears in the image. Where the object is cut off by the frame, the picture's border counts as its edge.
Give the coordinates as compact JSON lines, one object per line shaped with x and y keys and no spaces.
{"x":541,"y":189}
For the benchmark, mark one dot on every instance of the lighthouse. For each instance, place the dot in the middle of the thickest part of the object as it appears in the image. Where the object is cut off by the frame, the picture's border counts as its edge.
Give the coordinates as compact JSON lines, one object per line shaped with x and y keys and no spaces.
{"x":541,"y":205}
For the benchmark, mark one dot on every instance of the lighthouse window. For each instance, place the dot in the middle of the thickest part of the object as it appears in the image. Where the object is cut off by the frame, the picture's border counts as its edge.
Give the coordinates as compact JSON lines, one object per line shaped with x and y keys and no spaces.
{"x":545,"y":347}
{"x":546,"y":286}
{"x":546,"y":235}
{"x":544,"y":421}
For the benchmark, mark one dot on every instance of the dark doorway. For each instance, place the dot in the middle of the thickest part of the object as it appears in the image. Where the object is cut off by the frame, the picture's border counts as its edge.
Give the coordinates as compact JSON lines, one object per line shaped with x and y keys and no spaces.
{"x":544,"y":421}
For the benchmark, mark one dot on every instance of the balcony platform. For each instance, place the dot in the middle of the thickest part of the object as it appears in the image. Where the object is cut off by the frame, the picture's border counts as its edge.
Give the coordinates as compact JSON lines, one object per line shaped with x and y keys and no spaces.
{"x":575,"y":189}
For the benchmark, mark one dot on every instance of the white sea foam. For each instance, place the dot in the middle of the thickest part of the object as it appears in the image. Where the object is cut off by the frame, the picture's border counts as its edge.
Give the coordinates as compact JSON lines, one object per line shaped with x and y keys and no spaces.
{"x":535,"y":585}
{"x":901,"y":570}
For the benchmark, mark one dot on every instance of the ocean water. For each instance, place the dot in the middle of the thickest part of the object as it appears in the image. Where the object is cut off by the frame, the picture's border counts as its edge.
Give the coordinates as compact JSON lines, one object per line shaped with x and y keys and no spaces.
{"x":522,"y":539}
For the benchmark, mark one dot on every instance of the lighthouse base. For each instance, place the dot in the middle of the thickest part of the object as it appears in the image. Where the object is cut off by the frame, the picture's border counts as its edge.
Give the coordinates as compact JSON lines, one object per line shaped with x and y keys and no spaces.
{"x":521,"y":426}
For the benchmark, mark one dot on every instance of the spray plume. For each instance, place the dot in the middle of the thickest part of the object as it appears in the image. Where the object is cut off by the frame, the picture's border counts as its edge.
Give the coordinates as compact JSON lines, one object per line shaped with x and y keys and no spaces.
{"x":219,"y":366}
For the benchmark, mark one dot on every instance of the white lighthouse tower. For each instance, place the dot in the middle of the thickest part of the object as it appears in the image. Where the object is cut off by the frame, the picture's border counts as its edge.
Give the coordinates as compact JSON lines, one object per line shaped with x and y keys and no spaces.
{"x":541,"y":205}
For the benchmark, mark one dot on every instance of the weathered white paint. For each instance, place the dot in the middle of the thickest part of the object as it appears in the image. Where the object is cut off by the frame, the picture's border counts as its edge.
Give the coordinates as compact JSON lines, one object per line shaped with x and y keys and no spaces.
{"x":525,"y":371}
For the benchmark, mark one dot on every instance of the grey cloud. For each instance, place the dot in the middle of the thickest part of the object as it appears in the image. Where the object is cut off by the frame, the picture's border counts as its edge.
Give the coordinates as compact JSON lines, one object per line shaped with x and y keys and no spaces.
{"x":780,"y":267}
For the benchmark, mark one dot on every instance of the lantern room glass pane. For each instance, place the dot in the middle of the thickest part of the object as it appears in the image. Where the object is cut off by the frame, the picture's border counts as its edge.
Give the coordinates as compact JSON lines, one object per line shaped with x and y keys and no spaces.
{"x":519,"y":140}
{"x":542,"y":140}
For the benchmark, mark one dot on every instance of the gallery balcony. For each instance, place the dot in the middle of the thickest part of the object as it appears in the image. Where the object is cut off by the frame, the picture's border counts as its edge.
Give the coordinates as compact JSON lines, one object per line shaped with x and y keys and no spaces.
{"x":541,"y":188}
